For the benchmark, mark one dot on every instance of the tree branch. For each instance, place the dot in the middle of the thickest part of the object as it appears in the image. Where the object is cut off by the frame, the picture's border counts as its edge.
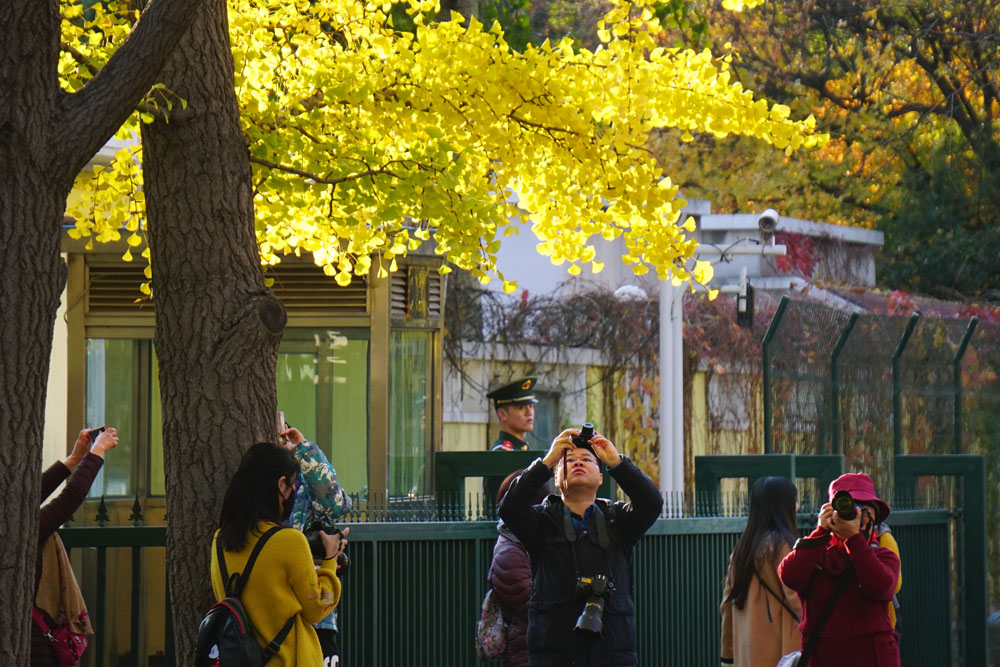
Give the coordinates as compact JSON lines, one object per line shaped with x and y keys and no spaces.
{"x":92,"y":115}
{"x":374,"y":171}
{"x":80,"y":58}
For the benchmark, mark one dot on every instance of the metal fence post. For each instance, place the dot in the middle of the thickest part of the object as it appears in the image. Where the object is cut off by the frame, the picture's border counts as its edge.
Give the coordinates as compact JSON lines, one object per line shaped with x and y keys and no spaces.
{"x":845,"y":333}
{"x":897,"y":391}
{"x":772,"y":331}
{"x":957,"y":381}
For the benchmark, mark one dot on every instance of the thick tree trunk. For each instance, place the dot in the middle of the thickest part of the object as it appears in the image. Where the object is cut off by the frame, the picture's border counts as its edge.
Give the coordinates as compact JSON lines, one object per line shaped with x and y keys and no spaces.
{"x":217,"y":325}
{"x":32,"y":276}
{"x":46,"y":137}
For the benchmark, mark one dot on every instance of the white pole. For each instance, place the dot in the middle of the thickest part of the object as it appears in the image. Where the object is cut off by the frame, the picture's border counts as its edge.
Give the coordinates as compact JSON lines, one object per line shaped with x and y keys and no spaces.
{"x":666,"y":387}
{"x":677,"y":394}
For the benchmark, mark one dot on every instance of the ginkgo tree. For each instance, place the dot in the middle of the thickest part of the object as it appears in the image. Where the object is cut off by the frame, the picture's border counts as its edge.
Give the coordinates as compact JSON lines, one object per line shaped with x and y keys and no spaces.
{"x":366,"y":140}
{"x":319,"y":127}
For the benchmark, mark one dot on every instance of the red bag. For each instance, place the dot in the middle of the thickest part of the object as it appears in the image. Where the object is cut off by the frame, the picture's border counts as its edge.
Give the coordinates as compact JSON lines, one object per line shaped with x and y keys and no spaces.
{"x":67,"y":645}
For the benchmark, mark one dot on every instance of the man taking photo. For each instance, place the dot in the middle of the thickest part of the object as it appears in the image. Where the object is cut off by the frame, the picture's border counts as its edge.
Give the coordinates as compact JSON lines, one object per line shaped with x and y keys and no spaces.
{"x":581,"y":610}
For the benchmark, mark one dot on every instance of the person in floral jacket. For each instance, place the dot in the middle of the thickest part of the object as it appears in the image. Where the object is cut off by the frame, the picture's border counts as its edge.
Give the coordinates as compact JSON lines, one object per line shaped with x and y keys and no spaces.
{"x":321,"y":499}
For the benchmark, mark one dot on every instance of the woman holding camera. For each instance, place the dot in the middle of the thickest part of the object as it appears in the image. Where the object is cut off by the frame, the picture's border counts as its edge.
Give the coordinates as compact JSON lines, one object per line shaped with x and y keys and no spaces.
{"x":285,"y":583}
{"x":760,"y":617}
{"x":842,"y":573}
{"x":57,"y":597}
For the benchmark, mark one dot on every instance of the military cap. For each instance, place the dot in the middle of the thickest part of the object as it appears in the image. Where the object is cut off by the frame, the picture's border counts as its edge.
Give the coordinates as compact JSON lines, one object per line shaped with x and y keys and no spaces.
{"x":519,"y":392}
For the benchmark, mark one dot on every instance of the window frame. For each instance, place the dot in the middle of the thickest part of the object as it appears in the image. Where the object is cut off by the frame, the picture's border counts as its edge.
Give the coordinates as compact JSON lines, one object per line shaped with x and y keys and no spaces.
{"x":138,"y":323}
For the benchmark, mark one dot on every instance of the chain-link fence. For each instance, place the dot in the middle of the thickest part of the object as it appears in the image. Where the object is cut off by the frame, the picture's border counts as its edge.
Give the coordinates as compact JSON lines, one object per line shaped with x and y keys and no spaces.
{"x":875,"y":386}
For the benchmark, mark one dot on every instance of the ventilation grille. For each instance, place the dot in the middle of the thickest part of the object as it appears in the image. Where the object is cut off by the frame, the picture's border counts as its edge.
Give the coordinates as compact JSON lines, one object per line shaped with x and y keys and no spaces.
{"x":417,"y":294}
{"x":304,"y":289}
{"x":115,"y":289}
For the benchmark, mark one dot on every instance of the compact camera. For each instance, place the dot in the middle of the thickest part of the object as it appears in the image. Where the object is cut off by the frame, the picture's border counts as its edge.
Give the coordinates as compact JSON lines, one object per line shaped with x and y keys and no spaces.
{"x":844,"y":503}
{"x":93,"y":433}
{"x":319,"y":549}
{"x":597,"y":590}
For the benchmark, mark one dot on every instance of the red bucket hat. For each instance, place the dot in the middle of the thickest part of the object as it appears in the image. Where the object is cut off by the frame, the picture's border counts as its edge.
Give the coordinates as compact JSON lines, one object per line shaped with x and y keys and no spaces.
{"x":862,"y":488}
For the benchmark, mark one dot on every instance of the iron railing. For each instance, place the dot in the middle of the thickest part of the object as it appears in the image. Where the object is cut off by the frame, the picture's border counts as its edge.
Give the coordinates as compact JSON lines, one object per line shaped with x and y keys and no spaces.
{"x":412,"y":594}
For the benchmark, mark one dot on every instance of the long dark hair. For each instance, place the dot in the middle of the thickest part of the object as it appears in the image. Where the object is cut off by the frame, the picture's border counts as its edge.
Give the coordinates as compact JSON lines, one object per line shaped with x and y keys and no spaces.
{"x":252,"y":495}
{"x":771,"y":524}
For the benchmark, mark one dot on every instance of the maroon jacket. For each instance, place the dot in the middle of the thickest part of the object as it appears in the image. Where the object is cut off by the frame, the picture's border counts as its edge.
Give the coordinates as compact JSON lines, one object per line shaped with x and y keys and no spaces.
{"x":858,"y":632}
{"x":50,"y":517}
{"x":510,"y":578}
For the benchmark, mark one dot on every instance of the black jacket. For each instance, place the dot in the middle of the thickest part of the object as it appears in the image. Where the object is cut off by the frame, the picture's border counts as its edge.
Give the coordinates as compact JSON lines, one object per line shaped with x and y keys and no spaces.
{"x":557,"y":562}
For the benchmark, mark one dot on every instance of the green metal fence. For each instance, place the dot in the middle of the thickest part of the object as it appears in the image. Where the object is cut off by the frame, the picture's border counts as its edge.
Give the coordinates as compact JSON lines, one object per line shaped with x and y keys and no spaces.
{"x":412,"y":595}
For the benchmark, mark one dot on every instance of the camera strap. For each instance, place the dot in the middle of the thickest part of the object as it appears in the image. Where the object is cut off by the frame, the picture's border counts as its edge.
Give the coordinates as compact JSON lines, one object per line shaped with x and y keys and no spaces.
{"x":842,"y":580}
{"x":600,"y":521}
{"x":603,"y":538}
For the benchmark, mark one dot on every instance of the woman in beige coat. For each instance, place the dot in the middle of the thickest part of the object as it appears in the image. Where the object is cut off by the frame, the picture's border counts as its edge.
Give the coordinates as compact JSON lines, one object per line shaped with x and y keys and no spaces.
{"x":760,"y":617}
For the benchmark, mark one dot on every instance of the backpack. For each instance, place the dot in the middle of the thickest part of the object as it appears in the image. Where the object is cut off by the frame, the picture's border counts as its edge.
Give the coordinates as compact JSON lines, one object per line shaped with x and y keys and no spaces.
{"x":491,"y":629}
{"x":226,"y":636}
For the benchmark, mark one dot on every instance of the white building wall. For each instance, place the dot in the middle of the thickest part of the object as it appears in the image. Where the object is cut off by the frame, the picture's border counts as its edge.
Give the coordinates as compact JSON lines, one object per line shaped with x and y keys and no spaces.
{"x":54,"y":438}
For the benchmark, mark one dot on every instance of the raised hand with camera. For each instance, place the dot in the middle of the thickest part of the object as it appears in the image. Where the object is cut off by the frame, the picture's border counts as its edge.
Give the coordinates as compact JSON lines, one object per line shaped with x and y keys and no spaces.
{"x":320,"y":503}
{"x":587,"y":438}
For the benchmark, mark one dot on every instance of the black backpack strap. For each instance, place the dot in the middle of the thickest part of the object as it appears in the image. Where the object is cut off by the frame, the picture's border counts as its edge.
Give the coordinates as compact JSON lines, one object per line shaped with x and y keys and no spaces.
{"x":234,"y":588}
{"x":275,"y":644}
{"x":221,"y":559}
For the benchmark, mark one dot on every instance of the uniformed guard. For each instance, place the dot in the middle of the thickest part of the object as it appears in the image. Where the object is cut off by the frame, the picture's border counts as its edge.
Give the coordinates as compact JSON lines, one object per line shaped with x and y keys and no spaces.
{"x":514,"y":404}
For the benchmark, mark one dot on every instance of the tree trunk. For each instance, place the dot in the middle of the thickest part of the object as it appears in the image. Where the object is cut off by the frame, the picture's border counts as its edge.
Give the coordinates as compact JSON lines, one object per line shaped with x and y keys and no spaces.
{"x":217,"y":325}
{"x":467,"y":8}
{"x":32,"y":276}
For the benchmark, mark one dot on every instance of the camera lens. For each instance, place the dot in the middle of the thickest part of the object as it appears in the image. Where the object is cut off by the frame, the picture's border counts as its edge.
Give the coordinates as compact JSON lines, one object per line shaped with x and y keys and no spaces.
{"x":597,"y":589}
{"x":591,"y":620}
{"x":843,"y":503}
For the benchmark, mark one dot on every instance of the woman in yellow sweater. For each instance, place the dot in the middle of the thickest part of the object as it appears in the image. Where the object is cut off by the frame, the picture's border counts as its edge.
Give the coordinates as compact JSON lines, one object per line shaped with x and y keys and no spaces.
{"x":285,"y":581}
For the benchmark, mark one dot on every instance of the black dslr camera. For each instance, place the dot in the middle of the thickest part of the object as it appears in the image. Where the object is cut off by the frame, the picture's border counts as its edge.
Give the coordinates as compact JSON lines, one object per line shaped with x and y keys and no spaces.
{"x":586,"y":433}
{"x":597,"y":590}
{"x":319,"y":549}
{"x":845,"y":506}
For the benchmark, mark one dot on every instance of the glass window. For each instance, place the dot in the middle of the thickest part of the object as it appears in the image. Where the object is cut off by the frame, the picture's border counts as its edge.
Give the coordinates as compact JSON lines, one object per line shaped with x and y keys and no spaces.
{"x":409,"y":412}
{"x":112,"y":370}
{"x":322,"y":386}
{"x":547,"y":421}
{"x":157,"y":483}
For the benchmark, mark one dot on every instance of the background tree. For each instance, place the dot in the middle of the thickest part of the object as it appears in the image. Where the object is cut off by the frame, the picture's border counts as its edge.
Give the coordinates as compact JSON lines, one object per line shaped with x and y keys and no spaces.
{"x":909,"y":94}
{"x":47,"y":134}
{"x":364,"y":141}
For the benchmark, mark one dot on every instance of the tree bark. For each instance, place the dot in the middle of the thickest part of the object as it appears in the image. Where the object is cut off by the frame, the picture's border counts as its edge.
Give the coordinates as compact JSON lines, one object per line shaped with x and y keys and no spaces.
{"x":217,"y":325}
{"x":467,"y":8}
{"x":46,"y":136}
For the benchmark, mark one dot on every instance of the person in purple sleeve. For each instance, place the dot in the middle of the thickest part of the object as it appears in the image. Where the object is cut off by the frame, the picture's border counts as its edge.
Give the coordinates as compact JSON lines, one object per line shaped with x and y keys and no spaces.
{"x":57,"y":596}
{"x":320,"y":499}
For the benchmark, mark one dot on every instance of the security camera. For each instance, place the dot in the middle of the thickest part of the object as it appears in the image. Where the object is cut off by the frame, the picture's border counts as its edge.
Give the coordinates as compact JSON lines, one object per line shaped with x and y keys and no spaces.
{"x":768,"y":221}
